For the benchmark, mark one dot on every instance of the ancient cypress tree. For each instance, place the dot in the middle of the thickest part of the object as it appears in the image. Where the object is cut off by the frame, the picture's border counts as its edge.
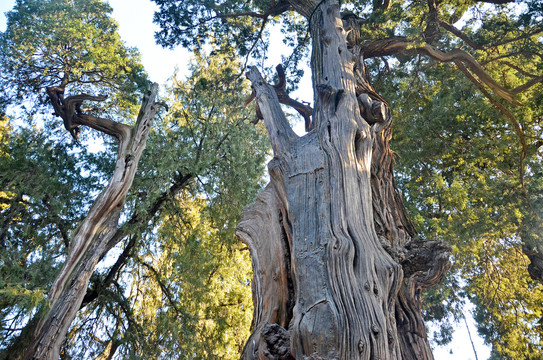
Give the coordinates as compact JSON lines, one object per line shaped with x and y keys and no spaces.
{"x":338,"y":266}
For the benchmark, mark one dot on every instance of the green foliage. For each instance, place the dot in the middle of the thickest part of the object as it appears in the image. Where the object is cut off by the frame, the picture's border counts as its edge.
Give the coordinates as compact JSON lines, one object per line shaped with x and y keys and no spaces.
{"x":465,"y":173}
{"x":458,"y":167}
{"x":193,"y":23}
{"x":73,"y":45}
{"x":470,"y":174}
{"x":45,"y":188}
{"x":182,"y":289}
{"x":46,"y":185}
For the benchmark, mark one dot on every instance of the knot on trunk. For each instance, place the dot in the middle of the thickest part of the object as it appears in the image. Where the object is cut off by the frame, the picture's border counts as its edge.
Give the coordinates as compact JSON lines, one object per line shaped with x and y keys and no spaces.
{"x":278,"y":342}
{"x":535,"y":269}
{"x":373,"y":111}
{"x":427,"y":261}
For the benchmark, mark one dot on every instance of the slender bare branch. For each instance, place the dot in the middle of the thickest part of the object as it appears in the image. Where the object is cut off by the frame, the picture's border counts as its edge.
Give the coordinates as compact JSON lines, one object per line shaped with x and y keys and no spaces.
{"x":527,"y":85}
{"x":459,"y":33}
{"x":518,"y":68}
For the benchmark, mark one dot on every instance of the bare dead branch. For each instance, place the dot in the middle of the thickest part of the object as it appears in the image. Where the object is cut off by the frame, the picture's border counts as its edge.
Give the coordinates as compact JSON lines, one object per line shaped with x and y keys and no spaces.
{"x":279,"y":130}
{"x":280,"y":86}
{"x":302,"y":109}
{"x":69,"y":109}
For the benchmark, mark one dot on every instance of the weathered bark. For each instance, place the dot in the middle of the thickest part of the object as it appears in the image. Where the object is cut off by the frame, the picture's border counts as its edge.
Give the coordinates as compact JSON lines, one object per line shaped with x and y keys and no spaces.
{"x":337,"y":271}
{"x":535,"y":255}
{"x":263,"y":232}
{"x":44,"y":335}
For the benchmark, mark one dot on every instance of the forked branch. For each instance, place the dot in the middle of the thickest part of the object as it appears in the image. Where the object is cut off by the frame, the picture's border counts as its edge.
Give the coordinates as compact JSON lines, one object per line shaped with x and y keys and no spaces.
{"x":303,"y":109}
{"x":279,"y":131}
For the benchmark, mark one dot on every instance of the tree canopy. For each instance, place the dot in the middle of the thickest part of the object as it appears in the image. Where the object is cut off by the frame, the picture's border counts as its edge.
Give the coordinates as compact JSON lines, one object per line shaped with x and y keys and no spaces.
{"x":465,"y":188}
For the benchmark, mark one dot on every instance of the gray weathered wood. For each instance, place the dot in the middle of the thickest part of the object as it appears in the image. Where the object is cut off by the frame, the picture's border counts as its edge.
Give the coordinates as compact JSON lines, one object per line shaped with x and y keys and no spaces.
{"x":93,"y":236}
{"x":351,"y":276}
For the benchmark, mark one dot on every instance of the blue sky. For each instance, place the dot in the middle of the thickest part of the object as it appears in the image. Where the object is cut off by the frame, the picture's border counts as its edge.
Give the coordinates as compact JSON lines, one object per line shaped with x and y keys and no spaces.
{"x":135,"y":18}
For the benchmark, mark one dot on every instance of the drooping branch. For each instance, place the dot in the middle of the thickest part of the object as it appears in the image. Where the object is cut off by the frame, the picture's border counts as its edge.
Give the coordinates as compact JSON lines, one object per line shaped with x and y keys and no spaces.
{"x":534,"y":254}
{"x":511,"y":117}
{"x":400,"y":45}
{"x":163,"y":287}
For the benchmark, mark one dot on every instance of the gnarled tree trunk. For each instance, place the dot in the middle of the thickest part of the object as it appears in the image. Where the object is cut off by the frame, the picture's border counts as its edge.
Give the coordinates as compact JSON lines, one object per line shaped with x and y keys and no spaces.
{"x":337,"y":268}
{"x":43,"y":336}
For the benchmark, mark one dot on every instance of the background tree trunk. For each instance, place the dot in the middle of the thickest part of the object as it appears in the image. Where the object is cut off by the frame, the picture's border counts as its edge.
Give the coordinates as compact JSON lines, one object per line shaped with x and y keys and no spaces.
{"x":43,"y":336}
{"x":337,"y":274}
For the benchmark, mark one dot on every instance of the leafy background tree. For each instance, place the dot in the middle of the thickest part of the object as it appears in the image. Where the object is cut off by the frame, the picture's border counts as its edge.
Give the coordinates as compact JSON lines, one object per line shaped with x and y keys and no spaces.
{"x":465,"y":186}
{"x":189,"y":276}
{"x":177,"y":243}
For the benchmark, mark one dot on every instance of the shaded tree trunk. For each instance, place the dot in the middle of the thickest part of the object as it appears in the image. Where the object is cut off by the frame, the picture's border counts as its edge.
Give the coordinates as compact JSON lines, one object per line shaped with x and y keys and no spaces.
{"x":338,"y":270}
{"x":43,"y":336}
